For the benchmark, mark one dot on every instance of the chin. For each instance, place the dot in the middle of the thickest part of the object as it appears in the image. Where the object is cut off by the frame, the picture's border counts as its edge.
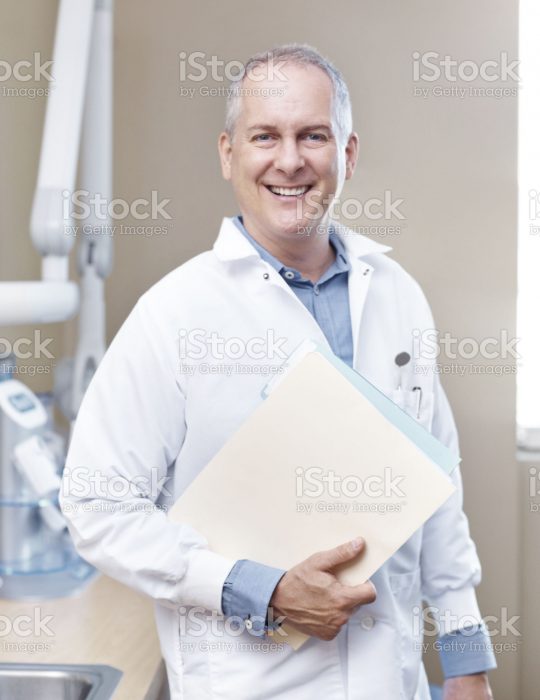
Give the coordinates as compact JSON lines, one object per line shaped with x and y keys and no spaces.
{"x":277,"y":224}
{"x":289,"y":227}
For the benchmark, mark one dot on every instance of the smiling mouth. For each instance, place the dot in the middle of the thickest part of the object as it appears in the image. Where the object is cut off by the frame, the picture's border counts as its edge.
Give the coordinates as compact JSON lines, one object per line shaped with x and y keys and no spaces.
{"x":289,"y":191}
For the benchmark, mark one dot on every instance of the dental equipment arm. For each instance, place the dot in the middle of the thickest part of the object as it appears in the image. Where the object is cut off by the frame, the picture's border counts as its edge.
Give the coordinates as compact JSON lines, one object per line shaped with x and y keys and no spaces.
{"x":82,"y":75}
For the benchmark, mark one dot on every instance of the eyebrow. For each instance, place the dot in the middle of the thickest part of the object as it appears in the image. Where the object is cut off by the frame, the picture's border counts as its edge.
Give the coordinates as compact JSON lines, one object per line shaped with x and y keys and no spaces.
{"x":273,"y":127}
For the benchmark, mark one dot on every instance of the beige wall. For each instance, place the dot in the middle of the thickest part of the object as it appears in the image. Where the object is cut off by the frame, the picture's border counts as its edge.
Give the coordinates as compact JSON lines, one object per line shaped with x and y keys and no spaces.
{"x":25,"y":28}
{"x":452,"y":160}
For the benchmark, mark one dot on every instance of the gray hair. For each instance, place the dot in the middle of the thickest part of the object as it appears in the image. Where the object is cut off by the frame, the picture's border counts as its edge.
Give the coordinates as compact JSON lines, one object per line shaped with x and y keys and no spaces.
{"x":299,"y":54}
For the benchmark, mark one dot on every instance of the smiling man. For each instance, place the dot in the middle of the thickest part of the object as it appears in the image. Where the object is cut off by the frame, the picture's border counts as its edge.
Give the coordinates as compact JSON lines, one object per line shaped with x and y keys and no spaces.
{"x":282,"y":268}
{"x":287,"y":158}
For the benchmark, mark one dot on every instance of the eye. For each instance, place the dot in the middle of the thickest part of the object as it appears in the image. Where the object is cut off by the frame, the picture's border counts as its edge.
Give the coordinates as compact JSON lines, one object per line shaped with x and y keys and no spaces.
{"x":263,"y":138}
{"x":316,"y":137}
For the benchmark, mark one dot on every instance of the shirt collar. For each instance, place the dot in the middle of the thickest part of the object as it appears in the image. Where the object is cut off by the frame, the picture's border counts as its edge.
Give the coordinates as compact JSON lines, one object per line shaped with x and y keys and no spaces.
{"x":265,"y":255}
{"x":232,"y":245}
{"x":340,"y":264}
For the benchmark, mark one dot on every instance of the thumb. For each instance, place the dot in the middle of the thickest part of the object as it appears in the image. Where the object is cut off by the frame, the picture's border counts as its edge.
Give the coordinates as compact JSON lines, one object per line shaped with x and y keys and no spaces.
{"x":341,"y":554}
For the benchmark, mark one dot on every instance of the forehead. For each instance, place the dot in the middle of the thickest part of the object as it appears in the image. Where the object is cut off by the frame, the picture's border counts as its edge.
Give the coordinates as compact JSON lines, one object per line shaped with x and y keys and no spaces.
{"x":290,"y":97}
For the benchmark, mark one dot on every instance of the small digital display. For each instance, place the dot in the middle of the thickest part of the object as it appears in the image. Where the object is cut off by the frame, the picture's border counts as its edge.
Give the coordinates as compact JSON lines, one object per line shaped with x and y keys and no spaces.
{"x":21,"y":402}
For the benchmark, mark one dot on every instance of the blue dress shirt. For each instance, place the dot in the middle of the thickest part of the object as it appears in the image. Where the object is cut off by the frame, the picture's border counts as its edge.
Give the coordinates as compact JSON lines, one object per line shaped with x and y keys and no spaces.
{"x":249,"y":585}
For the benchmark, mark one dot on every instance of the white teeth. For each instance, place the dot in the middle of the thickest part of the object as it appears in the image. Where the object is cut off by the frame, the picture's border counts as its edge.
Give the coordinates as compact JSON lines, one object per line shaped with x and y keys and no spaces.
{"x":289,"y":191}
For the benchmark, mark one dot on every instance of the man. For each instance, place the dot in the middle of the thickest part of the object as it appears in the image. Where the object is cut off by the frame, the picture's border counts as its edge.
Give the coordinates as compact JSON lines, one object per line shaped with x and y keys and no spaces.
{"x":157,"y":411}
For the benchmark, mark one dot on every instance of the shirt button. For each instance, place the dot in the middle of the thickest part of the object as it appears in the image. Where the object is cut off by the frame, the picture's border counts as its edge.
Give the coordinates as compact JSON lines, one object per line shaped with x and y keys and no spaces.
{"x":316,"y":289}
{"x":289,"y":274}
{"x":266,"y":276}
{"x":367,"y":623}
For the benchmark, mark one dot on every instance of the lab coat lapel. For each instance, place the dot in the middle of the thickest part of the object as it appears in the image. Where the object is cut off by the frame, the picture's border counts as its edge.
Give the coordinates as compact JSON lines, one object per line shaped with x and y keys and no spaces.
{"x":291,"y":315}
{"x":358,"y":247}
{"x":231,"y":245}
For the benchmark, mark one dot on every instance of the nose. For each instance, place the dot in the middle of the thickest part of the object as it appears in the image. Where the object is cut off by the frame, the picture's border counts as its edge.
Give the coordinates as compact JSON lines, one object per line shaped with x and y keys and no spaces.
{"x":288,"y":158}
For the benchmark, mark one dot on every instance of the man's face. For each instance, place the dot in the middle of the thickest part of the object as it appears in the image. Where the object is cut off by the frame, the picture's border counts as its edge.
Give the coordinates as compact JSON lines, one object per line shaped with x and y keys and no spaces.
{"x":285,"y":163}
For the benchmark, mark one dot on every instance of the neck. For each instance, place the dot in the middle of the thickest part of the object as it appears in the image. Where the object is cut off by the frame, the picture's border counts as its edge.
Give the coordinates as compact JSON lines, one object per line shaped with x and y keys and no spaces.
{"x":310,"y":255}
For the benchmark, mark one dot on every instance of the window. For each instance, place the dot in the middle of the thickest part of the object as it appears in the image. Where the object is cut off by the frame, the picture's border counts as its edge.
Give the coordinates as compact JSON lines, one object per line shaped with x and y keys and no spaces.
{"x":528,"y":312}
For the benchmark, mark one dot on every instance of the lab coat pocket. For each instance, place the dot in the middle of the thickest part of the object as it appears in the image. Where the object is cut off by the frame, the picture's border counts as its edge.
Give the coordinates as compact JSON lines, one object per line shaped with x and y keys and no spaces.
{"x":418,"y":403}
{"x":401,"y":583}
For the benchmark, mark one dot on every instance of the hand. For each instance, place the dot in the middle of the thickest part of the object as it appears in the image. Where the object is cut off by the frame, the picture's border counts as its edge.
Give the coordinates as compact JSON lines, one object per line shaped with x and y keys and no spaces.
{"x":313,"y":600}
{"x":473,"y":687}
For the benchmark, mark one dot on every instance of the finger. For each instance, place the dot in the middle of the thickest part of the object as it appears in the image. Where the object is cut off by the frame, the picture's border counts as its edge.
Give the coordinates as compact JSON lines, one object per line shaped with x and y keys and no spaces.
{"x":341,"y":554}
{"x":362,"y":594}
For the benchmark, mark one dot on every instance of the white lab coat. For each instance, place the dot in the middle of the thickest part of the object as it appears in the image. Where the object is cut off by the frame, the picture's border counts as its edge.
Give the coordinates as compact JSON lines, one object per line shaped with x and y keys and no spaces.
{"x":144,"y":413}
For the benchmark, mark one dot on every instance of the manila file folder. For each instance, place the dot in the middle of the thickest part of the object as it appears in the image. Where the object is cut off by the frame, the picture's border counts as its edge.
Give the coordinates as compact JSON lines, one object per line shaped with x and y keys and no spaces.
{"x":324,"y":458}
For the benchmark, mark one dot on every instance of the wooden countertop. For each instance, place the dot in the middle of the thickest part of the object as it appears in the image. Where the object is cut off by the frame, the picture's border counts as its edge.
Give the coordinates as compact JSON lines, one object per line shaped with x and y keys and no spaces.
{"x":107,"y":623}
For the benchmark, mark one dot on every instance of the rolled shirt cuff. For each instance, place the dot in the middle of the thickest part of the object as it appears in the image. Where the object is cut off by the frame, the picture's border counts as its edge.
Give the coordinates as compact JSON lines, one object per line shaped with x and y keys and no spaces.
{"x":466,"y":651}
{"x":247,"y":592}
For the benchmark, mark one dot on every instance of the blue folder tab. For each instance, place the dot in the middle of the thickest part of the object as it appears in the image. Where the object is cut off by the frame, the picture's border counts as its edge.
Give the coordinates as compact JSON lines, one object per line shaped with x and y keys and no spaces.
{"x":422,"y":438}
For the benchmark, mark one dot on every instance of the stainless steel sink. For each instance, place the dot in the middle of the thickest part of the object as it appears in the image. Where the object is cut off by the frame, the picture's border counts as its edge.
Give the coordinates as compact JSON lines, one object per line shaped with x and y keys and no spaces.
{"x":57,"y":682}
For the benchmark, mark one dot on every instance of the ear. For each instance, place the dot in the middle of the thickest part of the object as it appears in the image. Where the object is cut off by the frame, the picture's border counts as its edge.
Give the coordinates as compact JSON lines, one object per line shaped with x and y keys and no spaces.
{"x":225,"y":154}
{"x":351,"y":155}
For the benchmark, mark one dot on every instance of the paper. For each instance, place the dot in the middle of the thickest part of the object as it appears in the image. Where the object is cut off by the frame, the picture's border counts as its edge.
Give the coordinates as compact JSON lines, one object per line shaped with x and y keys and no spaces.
{"x":318,"y":463}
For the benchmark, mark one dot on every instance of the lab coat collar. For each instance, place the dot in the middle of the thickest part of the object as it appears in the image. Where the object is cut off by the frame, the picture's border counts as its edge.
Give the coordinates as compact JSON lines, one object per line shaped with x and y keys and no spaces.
{"x":232,"y":245}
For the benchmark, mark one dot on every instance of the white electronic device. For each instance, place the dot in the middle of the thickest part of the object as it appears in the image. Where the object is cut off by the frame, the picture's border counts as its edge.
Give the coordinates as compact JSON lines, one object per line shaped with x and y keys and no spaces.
{"x":21,"y":405}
